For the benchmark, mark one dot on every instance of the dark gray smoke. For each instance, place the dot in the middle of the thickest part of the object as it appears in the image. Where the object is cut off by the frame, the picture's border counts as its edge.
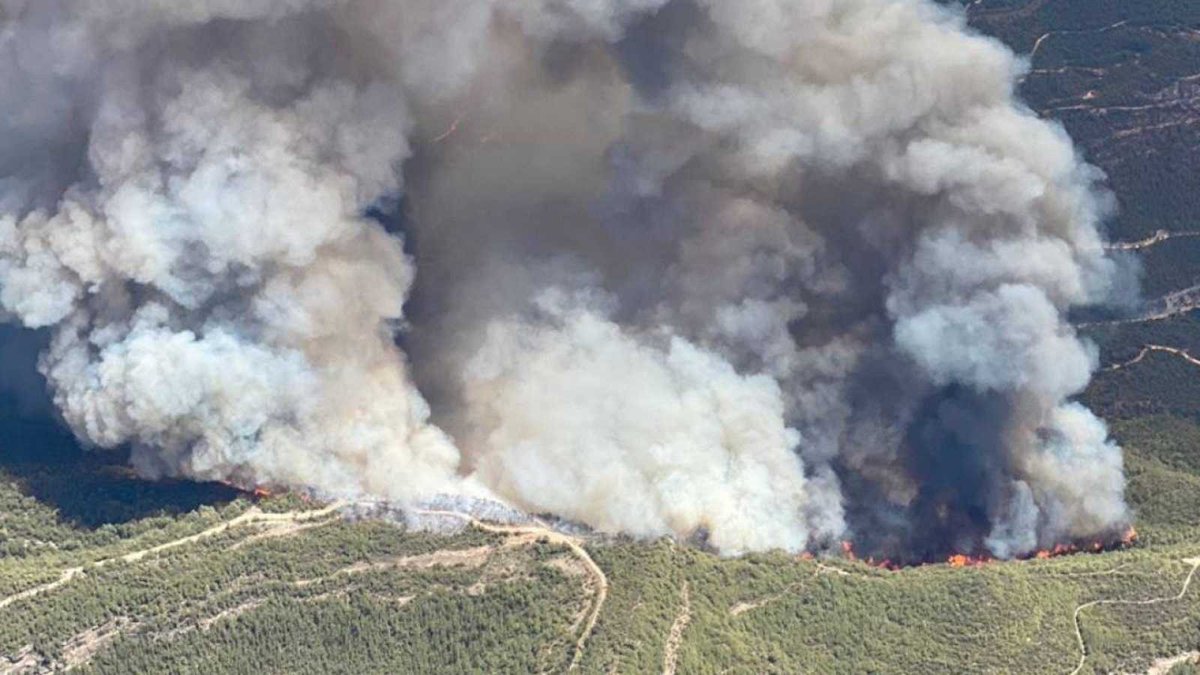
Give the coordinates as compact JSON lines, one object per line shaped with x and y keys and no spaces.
{"x":788,"y":271}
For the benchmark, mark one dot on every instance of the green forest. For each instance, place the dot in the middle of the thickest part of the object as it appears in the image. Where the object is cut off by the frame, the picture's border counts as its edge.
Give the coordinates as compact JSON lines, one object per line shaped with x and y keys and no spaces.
{"x":102,"y":572}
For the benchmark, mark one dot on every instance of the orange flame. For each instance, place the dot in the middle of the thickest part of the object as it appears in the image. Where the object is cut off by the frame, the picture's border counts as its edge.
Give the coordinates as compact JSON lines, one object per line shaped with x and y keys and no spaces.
{"x":958,"y":560}
{"x":848,"y":551}
{"x":1129,"y":538}
{"x":449,"y":131}
{"x":961,"y":560}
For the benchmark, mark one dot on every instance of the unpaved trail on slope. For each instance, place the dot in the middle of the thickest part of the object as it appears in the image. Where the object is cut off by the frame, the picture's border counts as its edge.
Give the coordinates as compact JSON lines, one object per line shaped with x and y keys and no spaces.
{"x":820,"y":568}
{"x":1194,"y":562}
{"x":675,"y":637}
{"x":1007,"y":13}
{"x":743,"y":607}
{"x":471,"y":558}
{"x":1170,"y":305}
{"x":67,"y":575}
{"x":555,"y":537}
{"x":1157,"y":238}
{"x":1181,"y":353}
{"x":1164,"y":666}
{"x":251,"y":516}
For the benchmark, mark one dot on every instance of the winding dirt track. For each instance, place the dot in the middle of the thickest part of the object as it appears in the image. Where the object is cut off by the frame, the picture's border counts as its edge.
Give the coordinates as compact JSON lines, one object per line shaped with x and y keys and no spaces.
{"x":675,"y":637}
{"x":1157,"y":238}
{"x":1170,"y":305}
{"x":1181,"y":353}
{"x":1194,"y":562}
{"x":252,"y":516}
{"x":1006,"y":13}
{"x":255,"y":516}
{"x":555,"y":537}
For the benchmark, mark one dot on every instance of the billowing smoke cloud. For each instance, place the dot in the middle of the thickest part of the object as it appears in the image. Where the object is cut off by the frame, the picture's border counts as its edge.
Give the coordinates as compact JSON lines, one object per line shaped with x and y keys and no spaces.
{"x":677,"y":442}
{"x":783,"y":272}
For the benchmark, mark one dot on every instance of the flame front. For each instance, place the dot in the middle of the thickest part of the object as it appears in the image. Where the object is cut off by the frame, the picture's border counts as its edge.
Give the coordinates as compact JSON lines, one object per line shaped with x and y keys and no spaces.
{"x":1128,"y":539}
{"x":961,"y":560}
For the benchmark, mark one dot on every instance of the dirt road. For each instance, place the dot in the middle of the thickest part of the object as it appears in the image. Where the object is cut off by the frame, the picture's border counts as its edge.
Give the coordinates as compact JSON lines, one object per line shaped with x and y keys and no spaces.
{"x":1155,"y":348}
{"x":675,"y":637}
{"x":252,"y":516}
{"x":1187,"y":581}
{"x":554,"y":537}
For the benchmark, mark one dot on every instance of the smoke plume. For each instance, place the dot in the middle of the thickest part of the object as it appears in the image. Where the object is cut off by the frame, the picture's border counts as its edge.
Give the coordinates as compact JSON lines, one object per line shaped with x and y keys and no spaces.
{"x":782,"y":272}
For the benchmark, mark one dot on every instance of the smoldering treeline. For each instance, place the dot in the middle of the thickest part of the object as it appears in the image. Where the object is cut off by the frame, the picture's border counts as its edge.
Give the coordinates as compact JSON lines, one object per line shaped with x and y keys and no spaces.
{"x":787,"y":271}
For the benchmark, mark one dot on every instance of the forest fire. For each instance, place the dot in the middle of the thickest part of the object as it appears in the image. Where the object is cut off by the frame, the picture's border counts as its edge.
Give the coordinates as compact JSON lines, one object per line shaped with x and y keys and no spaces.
{"x":848,"y":551}
{"x":961,"y":560}
{"x":1128,"y":539}
{"x":261,"y":492}
{"x":256,"y":492}
{"x":849,"y":554}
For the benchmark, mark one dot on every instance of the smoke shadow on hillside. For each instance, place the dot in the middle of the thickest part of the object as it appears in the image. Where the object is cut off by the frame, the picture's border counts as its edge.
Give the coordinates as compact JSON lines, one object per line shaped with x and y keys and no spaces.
{"x":88,"y":488}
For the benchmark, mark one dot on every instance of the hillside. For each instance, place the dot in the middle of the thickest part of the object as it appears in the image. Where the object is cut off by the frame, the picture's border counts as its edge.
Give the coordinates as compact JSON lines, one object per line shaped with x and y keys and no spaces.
{"x":285,"y":586}
{"x":103,"y":572}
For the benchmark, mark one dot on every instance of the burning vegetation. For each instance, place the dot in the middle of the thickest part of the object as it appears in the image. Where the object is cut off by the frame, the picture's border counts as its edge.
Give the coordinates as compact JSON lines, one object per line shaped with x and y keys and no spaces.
{"x":792,"y":281}
{"x":258,"y":493}
{"x":1127,"y":539}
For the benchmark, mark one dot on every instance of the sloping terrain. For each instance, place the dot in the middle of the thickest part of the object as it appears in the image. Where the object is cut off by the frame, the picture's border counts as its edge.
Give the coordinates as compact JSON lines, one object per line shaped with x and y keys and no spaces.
{"x":283,"y":586}
{"x":102,"y":572}
{"x":1124,"y":79}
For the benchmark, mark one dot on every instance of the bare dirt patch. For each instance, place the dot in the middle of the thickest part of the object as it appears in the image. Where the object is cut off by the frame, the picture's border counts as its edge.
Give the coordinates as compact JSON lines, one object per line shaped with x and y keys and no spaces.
{"x":675,"y":636}
{"x":467,"y":557}
{"x":539,"y":532}
{"x":81,"y":648}
{"x":1083,"y":650}
{"x":1164,"y":666}
{"x":287,"y":529}
{"x":209,"y":622}
{"x":26,"y":660}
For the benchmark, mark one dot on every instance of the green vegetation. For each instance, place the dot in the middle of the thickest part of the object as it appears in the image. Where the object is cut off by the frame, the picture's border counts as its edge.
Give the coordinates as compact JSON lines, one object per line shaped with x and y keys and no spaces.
{"x":1159,"y":384}
{"x":320,"y":596}
{"x":1120,"y":343}
{"x":771,"y":614}
{"x":1170,"y":266}
{"x":1184,"y":669}
{"x":324,"y":595}
{"x":775,"y":614}
{"x":1110,"y":71}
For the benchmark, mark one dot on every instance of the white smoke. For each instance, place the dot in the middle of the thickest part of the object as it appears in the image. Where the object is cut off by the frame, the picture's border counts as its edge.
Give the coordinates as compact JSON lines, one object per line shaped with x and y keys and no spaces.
{"x":577,"y":417}
{"x":220,"y":302}
{"x":677,"y":265}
